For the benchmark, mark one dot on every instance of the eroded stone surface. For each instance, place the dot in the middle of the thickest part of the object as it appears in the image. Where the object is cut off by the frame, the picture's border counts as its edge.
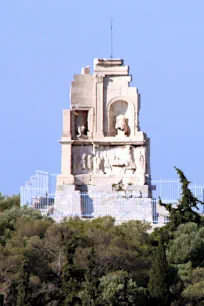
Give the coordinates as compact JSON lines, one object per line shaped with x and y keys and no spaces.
{"x":102,"y":144}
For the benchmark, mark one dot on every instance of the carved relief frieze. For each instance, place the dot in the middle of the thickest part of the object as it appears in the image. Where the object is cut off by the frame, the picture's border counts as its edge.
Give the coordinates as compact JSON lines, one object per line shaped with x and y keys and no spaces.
{"x":82,"y":159}
{"x":111,"y":160}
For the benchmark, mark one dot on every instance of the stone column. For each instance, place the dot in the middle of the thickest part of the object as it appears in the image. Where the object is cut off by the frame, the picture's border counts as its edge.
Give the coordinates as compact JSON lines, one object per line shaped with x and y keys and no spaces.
{"x":91,"y":122}
{"x":73,"y":132}
{"x":66,"y":177}
{"x":99,"y":105}
{"x":66,"y":161}
{"x":66,"y":123}
{"x":137,"y":127}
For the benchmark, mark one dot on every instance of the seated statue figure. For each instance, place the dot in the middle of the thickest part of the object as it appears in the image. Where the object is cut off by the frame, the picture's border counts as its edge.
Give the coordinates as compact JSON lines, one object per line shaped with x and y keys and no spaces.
{"x":121,"y":124}
{"x":81,"y":126}
{"x":81,"y":131}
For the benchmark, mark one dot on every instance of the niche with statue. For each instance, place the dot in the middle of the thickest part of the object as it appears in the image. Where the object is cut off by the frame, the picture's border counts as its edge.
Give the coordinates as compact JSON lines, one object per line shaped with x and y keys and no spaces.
{"x":81,"y":124}
{"x":120,"y":118}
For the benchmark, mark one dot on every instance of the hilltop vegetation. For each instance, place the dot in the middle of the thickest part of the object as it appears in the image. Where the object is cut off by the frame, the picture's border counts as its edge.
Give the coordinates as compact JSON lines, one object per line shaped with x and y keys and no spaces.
{"x":95,"y":262}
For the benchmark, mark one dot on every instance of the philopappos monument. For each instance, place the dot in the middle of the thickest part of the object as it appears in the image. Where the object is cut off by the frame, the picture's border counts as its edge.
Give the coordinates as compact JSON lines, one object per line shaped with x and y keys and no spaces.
{"x":105,"y":155}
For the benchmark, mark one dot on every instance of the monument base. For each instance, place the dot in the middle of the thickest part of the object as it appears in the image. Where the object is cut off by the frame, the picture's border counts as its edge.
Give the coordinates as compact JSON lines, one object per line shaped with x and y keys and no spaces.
{"x":67,"y":201}
{"x":64,"y":179}
{"x":121,"y":205}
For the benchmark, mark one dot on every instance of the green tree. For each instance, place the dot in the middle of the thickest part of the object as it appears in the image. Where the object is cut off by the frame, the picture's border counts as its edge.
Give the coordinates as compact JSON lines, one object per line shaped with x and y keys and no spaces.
{"x":9,"y":202}
{"x":158,"y":283}
{"x":185,"y":210}
{"x":72,"y":276}
{"x":194,"y":291}
{"x":25,"y":244}
{"x":187,"y":245}
{"x":9,"y":219}
{"x":24,"y":292}
{"x":67,"y":261}
{"x":90,"y":285}
{"x":118,"y":289}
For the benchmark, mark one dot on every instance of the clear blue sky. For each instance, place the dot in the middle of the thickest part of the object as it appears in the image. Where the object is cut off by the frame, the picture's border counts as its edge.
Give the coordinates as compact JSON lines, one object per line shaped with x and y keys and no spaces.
{"x":44,"y":42}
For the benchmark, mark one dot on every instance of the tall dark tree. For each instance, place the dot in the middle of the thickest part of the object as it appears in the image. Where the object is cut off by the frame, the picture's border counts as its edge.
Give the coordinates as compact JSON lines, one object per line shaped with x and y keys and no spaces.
{"x":185,"y":210}
{"x":158,"y":282}
{"x":92,"y":281}
{"x":24,"y":292}
{"x":72,"y":277}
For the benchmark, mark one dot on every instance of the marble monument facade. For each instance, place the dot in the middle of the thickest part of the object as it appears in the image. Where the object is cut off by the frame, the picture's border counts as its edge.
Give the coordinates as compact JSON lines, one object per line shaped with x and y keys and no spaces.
{"x":103,"y":148}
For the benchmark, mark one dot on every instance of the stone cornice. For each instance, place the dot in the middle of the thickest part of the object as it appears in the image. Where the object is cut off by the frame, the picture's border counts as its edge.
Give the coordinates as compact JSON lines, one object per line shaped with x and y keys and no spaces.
{"x":108,"y":142}
{"x":66,"y":140}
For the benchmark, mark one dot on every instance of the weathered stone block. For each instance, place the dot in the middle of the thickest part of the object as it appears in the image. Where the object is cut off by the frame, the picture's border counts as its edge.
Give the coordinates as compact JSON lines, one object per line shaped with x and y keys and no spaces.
{"x":105,"y":162}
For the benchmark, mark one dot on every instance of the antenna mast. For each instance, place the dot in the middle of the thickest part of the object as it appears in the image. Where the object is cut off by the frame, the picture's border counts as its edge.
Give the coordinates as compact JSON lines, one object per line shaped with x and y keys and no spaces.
{"x":111,"y":28}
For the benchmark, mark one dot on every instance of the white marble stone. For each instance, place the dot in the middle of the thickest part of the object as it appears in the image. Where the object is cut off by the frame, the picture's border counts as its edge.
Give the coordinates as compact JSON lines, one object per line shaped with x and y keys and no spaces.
{"x":102,"y":145}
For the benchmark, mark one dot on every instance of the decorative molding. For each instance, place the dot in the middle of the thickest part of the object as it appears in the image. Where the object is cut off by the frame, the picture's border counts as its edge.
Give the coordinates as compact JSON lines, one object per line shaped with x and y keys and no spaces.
{"x":99,"y":78}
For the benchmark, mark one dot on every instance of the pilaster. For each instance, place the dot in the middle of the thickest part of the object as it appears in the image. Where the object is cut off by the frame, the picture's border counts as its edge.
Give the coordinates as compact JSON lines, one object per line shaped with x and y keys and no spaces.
{"x":99,"y":105}
{"x":66,"y":123}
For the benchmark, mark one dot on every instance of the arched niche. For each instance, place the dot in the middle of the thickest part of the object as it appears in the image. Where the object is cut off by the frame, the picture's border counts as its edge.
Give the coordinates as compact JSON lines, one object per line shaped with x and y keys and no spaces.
{"x":118,"y":107}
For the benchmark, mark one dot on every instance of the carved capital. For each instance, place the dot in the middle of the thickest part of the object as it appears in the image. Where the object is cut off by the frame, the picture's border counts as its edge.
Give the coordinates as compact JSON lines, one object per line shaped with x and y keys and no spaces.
{"x":99,"y":78}
{"x":74,"y":106}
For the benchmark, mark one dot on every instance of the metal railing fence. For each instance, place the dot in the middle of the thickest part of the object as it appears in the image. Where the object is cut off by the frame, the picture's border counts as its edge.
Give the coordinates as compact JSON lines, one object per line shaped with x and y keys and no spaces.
{"x":39,"y":193}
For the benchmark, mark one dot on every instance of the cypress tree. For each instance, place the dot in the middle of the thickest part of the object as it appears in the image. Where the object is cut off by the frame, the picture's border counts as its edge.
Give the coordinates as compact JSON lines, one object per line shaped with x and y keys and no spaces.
{"x":71,"y":276}
{"x":91,"y":277}
{"x":184,"y":211}
{"x":158,"y":283}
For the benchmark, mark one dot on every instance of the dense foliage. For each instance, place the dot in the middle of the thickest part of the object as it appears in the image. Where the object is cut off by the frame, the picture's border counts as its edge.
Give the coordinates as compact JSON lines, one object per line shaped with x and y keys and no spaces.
{"x":96,"y":262}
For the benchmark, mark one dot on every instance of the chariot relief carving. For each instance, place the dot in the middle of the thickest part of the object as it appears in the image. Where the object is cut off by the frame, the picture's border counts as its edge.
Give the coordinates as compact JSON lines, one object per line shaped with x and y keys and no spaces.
{"x":126,"y":160}
{"x":90,"y":162}
{"x":98,"y":164}
{"x":141,"y":161}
